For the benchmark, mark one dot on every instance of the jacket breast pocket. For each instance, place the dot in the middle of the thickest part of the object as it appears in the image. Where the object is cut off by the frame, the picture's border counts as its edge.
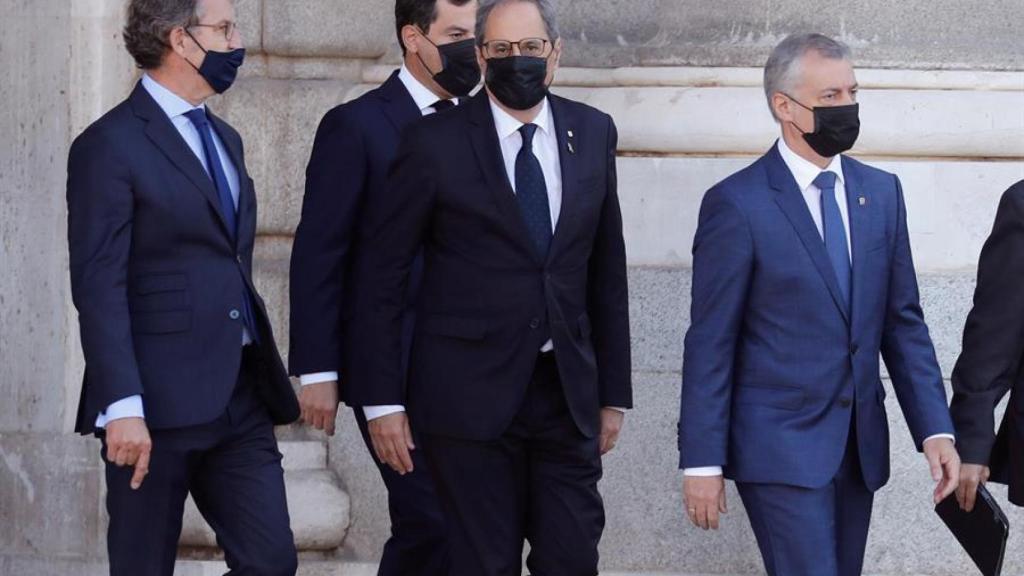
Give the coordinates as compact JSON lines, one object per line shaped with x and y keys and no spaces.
{"x":459,"y":327}
{"x":782,"y":397}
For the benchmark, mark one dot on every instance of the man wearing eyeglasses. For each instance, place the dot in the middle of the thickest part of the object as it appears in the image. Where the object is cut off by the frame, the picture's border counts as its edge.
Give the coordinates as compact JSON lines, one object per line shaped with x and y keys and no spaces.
{"x":354,"y":146}
{"x":520,"y":364}
{"x":183,"y":382}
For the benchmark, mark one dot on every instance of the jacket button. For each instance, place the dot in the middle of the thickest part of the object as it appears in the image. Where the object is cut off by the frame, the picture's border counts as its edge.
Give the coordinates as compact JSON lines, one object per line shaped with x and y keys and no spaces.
{"x":234,"y":315}
{"x":535,"y":323}
{"x":845,"y":402}
{"x":854,"y":349}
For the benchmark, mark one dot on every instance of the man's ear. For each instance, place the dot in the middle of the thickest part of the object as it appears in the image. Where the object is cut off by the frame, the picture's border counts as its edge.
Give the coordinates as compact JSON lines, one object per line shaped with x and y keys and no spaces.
{"x":411,"y":38}
{"x":176,"y":40}
{"x":480,"y":60}
{"x":557,"y":51}
{"x":782,"y":107}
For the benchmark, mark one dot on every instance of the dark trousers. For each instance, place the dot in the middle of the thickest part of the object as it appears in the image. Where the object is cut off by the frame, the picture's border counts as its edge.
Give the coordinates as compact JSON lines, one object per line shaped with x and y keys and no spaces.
{"x":232,"y":468}
{"x":537,"y":482}
{"x":418,"y":545}
{"x":813,"y":532}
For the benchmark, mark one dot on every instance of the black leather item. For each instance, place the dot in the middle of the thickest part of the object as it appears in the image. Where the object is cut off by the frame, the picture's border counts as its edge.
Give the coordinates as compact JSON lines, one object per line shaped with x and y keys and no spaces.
{"x":982,"y":532}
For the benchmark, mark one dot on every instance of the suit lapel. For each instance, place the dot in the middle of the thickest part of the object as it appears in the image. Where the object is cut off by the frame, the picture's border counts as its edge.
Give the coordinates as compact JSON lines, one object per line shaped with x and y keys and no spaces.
{"x":484,"y":136}
{"x":399,"y":106}
{"x":791,"y":201}
{"x":860,"y":227}
{"x":565,"y":123}
{"x":167,"y":138}
{"x":246,"y":195}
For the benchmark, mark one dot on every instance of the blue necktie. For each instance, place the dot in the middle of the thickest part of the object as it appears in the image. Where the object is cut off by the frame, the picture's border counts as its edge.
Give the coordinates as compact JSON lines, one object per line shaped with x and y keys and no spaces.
{"x":834,"y":232}
{"x":532,"y":193}
{"x":215,"y":168}
{"x":227,"y":202}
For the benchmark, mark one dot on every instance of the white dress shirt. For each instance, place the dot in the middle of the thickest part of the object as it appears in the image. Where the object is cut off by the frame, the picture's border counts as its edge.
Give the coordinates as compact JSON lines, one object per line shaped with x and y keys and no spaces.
{"x":425,"y":100}
{"x":175,"y":107}
{"x":804,"y":172}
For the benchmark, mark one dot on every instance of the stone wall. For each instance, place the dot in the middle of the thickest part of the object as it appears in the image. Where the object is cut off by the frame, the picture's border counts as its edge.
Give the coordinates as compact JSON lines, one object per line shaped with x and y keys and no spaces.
{"x":942,"y":100}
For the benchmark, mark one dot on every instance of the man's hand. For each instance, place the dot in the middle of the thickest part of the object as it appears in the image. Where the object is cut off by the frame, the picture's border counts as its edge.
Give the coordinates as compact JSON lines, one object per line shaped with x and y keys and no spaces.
{"x":945,"y":464}
{"x":704,"y":498}
{"x":319,"y":403}
{"x":392,"y":440}
{"x":611,"y":425}
{"x":128,"y":444}
{"x":971,"y":476}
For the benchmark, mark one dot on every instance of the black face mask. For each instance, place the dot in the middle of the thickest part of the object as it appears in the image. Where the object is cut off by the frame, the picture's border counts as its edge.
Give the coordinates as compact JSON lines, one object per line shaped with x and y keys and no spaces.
{"x":219,"y":69}
{"x":835,"y":128}
{"x":518,"y":82}
{"x":460,"y":71}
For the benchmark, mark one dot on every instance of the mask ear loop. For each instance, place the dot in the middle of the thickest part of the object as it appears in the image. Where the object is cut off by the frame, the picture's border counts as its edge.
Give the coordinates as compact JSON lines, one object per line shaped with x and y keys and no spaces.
{"x":438,"y":48}
{"x":200,"y":47}
{"x":801,"y":130}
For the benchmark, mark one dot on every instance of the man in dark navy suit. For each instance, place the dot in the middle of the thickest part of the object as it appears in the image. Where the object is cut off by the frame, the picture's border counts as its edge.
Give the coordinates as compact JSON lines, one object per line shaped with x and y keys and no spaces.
{"x":990,"y":362}
{"x":520,"y":367}
{"x":802,"y":275}
{"x":183,"y":382}
{"x":354,"y":146}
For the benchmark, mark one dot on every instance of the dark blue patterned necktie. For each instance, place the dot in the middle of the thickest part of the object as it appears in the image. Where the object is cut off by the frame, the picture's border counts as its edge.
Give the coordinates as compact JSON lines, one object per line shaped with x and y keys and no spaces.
{"x":532,"y":192}
{"x":834,"y":232}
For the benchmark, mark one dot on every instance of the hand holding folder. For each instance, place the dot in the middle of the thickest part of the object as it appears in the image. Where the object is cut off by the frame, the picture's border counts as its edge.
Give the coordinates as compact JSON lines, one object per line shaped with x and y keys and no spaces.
{"x":982,"y":532}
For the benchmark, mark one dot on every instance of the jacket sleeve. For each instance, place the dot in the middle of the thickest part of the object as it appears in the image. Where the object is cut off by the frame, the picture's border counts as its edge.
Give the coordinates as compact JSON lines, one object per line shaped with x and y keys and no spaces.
{"x":608,"y":298}
{"x":100,"y":214}
{"x":906,"y":345}
{"x":993,"y":339}
{"x":396,"y":221}
{"x":723,"y":260}
{"x":335,"y":181}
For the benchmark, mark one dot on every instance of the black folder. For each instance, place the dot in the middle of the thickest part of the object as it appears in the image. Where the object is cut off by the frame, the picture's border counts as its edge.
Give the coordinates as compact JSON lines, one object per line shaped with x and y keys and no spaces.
{"x":982,"y":532}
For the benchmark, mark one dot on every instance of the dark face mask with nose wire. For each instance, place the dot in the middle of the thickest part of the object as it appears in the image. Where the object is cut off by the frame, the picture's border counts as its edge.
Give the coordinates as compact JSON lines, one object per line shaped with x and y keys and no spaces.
{"x":836,"y":128}
{"x":460,"y":71}
{"x":219,"y":69}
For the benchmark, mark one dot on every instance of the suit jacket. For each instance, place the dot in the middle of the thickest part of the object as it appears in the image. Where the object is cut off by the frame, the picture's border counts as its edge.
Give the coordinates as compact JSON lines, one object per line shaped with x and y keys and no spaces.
{"x":774,"y":364}
{"x":156,"y":277}
{"x":993,"y":347}
{"x":353,"y":149}
{"x":488,"y":301}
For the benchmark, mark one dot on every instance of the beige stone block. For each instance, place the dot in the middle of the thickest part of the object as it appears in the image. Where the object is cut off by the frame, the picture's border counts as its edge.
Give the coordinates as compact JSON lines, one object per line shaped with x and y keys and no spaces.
{"x":278,"y":120}
{"x":350,"y":28}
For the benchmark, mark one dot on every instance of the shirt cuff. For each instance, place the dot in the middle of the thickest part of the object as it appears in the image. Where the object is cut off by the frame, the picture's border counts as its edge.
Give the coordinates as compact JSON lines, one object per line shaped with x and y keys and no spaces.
{"x":317,"y":378}
{"x":950,"y":436}
{"x":617,"y":409}
{"x":374,"y":412}
{"x":704,"y":471}
{"x":130,"y":407}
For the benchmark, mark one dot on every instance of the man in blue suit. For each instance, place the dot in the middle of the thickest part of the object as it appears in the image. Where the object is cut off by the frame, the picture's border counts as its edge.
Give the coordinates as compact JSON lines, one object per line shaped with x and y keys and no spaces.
{"x":354,"y":147}
{"x":802,"y":274}
{"x":183,"y":382}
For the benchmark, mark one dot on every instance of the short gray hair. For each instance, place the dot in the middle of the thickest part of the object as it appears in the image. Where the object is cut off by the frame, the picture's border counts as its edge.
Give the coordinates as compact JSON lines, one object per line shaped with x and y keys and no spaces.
{"x":782,"y":70}
{"x":149,"y":24}
{"x":548,"y":12}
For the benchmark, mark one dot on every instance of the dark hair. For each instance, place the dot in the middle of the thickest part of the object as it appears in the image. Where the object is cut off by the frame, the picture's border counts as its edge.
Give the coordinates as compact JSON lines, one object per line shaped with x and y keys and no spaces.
{"x":149,"y":25}
{"x":420,"y":13}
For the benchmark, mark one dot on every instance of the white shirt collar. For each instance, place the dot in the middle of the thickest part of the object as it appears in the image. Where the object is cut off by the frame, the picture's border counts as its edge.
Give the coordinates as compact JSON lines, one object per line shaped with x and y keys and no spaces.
{"x":804,"y":171}
{"x":421,"y":95}
{"x":172,"y":104}
{"x":507,"y":125}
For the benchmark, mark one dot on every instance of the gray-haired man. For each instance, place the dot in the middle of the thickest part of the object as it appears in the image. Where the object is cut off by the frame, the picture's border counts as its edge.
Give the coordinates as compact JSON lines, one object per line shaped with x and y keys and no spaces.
{"x":802,"y":276}
{"x":521,"y":350}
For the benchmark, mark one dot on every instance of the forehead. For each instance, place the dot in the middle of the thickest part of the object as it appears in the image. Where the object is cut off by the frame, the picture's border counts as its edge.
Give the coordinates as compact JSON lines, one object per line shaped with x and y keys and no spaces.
{"x":449,"y":14}
{"x":818,"y":73}
{"x":515,"y":21}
